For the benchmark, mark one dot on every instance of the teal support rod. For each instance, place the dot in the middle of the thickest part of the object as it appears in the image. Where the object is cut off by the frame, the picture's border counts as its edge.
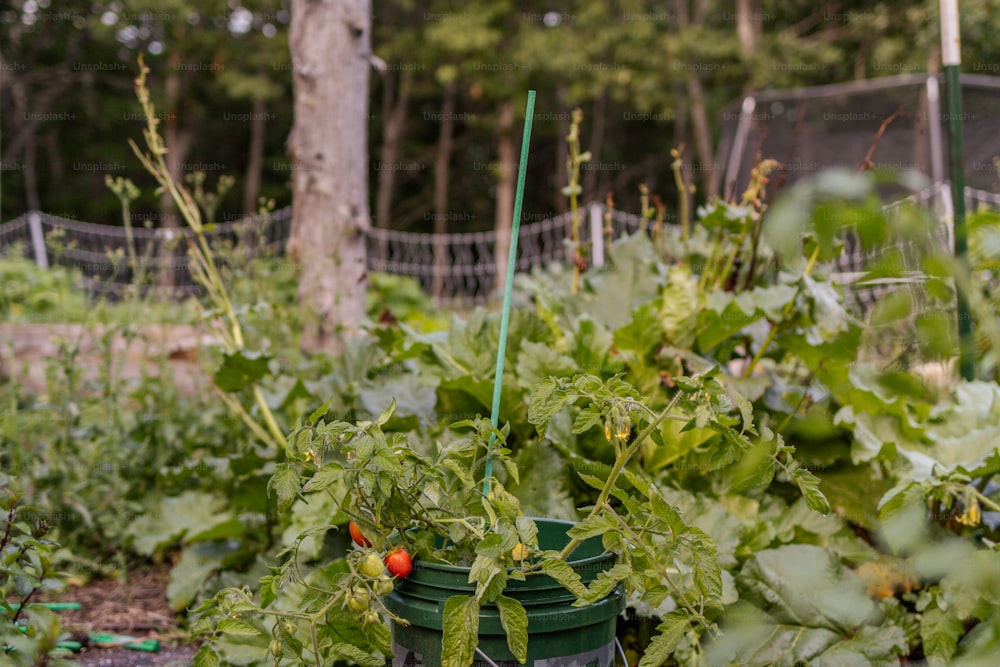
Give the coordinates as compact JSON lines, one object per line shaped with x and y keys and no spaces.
{"x":509,"y":286}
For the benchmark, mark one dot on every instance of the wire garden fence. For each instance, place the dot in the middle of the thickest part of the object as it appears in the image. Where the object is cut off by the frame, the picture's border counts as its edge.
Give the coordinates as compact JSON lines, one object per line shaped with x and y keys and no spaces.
{"x":457,"y":269}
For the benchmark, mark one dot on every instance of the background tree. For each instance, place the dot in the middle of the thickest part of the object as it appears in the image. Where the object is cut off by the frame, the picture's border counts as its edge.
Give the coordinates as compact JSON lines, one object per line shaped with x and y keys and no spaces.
{"x":331,"y":57}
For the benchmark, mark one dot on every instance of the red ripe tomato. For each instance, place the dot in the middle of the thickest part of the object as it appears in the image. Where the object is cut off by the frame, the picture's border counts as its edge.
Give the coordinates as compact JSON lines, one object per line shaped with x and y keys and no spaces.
{"x":399,"y":564}
{"x":358,"y":537}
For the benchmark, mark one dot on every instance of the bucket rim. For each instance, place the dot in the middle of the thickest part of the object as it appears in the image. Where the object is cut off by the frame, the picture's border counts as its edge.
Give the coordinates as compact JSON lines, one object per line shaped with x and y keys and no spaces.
{"x":457,"y":569}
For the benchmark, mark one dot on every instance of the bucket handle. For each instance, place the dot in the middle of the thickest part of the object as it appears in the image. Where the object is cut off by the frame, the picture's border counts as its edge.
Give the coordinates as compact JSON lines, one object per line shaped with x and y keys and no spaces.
{"x":621,"y":652}
{"x":618,"y":645}
{"x":487,"y":658}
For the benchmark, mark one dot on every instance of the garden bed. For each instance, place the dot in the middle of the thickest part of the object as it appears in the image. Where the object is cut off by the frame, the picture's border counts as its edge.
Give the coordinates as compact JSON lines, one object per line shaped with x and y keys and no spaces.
{"x":138,"y":608}
{"x":28,"y":346}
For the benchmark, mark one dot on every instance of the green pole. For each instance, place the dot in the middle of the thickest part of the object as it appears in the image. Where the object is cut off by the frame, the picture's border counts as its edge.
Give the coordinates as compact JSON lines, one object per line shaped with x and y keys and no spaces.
{"x":951,"y":58}
{"x":529,"y":114}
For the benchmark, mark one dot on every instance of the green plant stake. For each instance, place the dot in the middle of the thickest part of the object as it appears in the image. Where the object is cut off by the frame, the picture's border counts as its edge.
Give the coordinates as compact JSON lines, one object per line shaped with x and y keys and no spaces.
{"x":529,"y":112}
{"x":951,"y":57}
{"x":53,"y":606}
{"x":124,"y":641}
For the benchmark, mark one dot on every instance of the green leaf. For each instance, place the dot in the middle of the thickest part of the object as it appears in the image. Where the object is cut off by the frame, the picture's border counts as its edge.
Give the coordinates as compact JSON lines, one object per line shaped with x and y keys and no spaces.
{"x":231,"y":528}
{"x":592,"y":481}
{"x":460,"y":623}
{"x":328,"y":475}
{"x":799,"y":605}
{"x":936,"y":334}
{"x":538,"y":361}
{"x":379,"y":637}
{"x":805,"y":585}
{"x":309,"y":521}
{"x":232,"y":626}
{"x":605,"y":582}
{"x":206,"y":657}
{"x":561,"y":571}
{"x":386,"y":414}
{"x":591,"y":346}
{"x":169,"y":519}
{"x":461,"y":471}
{"x":679,"y":306}
{"x":940,"y":631}
{"x":196,"y":564}
{"x":545,"y":401}
{"x":527,"y":529}
{"x":808,"y":484}
{"x":671,"y":630}
{"x":598,"y":524}
{"x":320,"y":412}
{"x":543,"y":490}
{"x":514,"y":619}
{"x":355,"y":654}
{"x":489,"y":576}
{"x":587,"y":418}
{"x":396,"y":397}
{"x":269,"y":587}
{"x":642,"y":334}
{"x":241,"y":369}
{"x":202,"y":626}
{"x":714,"y":326}
{"x":903,"y":517}
{"x":891,"y":309}
{"x":286,"y":484}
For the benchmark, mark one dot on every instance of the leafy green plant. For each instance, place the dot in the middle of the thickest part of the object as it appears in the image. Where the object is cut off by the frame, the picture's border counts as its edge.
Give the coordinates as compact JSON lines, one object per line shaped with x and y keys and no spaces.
{"x":32,"y":294}
{"x":28,"y":632}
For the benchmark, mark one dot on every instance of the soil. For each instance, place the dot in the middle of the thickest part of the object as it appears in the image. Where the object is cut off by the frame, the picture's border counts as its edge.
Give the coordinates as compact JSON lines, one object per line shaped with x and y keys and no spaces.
{"x":137,"y":608}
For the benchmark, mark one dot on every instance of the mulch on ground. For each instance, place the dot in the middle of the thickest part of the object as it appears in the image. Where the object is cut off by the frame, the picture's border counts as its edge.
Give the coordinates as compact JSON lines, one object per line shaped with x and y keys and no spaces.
{"x":136,"y":607}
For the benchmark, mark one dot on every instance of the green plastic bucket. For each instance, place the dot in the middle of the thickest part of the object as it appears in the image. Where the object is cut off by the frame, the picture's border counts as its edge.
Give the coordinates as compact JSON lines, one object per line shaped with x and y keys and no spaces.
{"x":559,"y":634}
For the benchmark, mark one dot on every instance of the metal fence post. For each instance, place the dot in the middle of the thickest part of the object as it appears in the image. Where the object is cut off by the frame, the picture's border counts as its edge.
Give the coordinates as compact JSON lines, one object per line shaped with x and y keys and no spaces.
{"x":597,"y":234}
{"x":38,"y":239}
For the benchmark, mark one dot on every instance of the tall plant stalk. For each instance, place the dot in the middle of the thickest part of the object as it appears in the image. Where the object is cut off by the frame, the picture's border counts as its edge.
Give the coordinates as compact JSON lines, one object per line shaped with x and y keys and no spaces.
{"x":573,"y":191}
{"x":683,"y":191}
{"x":203,"y":269}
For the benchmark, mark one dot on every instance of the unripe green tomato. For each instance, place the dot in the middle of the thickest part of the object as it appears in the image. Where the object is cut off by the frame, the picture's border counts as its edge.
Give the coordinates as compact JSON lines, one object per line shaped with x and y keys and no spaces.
{"x":383,"y":585}
{"x":372,"y":617}
{"x":275,"y":647}
{"x":372,"y":566}
{"x":359,"y":599}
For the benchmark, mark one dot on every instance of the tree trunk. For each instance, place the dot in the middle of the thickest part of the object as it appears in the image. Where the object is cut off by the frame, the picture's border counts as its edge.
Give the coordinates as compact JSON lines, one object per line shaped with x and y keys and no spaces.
{"x":747,"y":26}
{"x":331,"y":50}
{"x":505,"y":190}
{"x":696,"y":94}
{"x":56,"y":162}
{"x":393,"y":126}
{"x":442,"y":162}
{"x":175,"y":140}
{"x":258,"y":127}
